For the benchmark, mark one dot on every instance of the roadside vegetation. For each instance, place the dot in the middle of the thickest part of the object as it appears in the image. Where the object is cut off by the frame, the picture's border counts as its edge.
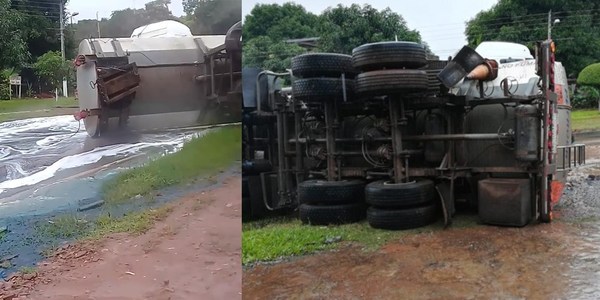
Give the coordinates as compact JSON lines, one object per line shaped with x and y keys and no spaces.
{"x":274,"y":239}
{"x":30,"y":108}
{"x":203,"y":156}
{"x":585,"y":120}
{"x":80,"y":228}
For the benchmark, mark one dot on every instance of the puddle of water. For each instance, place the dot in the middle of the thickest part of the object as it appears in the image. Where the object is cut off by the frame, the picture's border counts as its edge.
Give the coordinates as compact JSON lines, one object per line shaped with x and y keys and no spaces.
{"x":584,"y":273}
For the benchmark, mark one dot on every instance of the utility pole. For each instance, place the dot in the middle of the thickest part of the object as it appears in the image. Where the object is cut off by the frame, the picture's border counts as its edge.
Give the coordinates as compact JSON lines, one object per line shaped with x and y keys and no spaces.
{"x":98,"y":23}
{"x":62,"y":44}
{"x":549,"y":24}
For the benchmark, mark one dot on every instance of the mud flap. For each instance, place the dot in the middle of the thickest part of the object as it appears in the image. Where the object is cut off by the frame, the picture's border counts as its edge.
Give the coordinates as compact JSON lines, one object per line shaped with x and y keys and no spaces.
{"x":447,"y":200}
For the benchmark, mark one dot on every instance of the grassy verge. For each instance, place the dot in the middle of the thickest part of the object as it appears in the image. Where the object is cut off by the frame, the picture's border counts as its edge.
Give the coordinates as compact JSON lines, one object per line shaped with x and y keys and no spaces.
{"x":73,"y":227}
{"x":209,"y":154}
{"x":585,"y":120}
{"x":29,"y":108}
{"x":274,"y":239}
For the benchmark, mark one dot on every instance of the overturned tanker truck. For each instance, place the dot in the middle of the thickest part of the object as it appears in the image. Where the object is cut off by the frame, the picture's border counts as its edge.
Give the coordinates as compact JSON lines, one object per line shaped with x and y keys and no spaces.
{"x":401,"y":140}
{"x":160,"y":77}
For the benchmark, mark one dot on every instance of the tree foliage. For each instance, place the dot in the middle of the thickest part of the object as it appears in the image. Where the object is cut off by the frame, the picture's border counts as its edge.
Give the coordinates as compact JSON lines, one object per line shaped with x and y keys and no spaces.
{"x":52,"y":67}
{"x":590,"y":75}
{"x":279,"y":22}
{"x":13,"y":48}
{"x":122,"y":22}
{"x":577,"y":35}
{"x":586,"y":97}
{"x":346,"y":27}
{"x":339,"y":29}
{"x":212,"y":16}
{"x":272,"y":55}
{"x":40,"y":26}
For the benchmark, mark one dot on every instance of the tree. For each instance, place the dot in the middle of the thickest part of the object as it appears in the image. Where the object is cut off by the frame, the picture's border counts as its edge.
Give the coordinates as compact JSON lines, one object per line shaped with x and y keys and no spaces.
{"x":212,"y":16}
{"x":279,"y":22}
{"x":339,"y":29}
{"x":590,"y":75}
{"x":40,"y":26}
{"x":122,"y":22}
{"x":13,"y":49}
{"x":52,"y":67}
{"x":589,"y":78}
{"x":345,"y":27}
{"x":265,"y":53}
{"x":577,"y":36}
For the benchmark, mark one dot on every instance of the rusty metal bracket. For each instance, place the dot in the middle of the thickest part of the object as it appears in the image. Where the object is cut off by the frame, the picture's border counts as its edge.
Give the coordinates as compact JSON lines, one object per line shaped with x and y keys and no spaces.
{"x":116,"y":83}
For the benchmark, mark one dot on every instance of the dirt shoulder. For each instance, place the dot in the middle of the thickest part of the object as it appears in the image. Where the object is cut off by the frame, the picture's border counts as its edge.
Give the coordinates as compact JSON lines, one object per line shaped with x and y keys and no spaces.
{"x":193,"y":254}
{"x":481,"y":262}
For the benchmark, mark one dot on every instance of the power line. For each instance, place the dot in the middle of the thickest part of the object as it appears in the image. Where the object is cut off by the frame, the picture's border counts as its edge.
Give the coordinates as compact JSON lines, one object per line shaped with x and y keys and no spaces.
{"x":512,"y":18}
{"x":573,"y":19}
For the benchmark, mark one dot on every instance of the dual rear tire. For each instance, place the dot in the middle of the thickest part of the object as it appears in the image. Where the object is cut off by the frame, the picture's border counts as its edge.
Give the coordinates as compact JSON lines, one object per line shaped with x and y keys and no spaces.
{"x":331,"y":202}
{"x":399,"y":206}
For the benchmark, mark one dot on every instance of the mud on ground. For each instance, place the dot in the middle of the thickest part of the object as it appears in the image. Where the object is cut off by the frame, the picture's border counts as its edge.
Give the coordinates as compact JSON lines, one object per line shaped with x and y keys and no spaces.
{"x":193,"y":254}
{"x":471,"y":263}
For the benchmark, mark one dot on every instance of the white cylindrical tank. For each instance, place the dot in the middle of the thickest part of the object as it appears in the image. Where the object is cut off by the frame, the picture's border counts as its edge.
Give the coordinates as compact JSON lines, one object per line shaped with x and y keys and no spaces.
{"x":167,"y":28}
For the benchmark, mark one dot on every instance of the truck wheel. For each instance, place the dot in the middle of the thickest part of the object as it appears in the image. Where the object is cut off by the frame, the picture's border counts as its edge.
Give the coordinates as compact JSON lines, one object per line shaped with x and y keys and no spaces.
{"x":245,"y":188}
{"x":331,"y":192}
{"x":246,"y":208}
{"x":389,"y":55}
{"x":323,"y":64}
{"x":383,"y":194}
{"x":398,"y":219}
{"x":332,"y":214}
{"x":384,"y":82}
{"x":321,"y":89}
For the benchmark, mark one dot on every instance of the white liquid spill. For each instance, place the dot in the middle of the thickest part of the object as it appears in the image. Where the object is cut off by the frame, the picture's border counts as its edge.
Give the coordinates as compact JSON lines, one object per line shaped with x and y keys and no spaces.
{"x":46,"y":138}
{"x":59,"y":123}
{"x":86,"y":158}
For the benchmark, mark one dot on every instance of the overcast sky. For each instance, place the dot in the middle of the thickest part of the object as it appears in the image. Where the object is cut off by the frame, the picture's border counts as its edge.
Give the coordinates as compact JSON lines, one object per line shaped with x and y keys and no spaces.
{"x":440,"y":22}
{"x":87,"y":9}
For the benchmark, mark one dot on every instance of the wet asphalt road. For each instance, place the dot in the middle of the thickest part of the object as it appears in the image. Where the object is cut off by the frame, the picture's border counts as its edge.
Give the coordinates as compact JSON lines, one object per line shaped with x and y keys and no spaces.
{"x":49,"y":164}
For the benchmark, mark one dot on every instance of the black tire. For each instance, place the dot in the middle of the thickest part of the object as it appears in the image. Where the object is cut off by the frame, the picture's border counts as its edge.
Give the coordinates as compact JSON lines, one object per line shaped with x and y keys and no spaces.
{"x":389,"y":55}
{"x":331,"y":214}
{"x":323,"y":64}
{"x":331,"y":192}
{"x":245,"y":188}
{"x":385,"y":82}
{"x":321,"y":89}
{"x":399,"y":219}
{"x":404,"y":195}
{"x":246,"y":208}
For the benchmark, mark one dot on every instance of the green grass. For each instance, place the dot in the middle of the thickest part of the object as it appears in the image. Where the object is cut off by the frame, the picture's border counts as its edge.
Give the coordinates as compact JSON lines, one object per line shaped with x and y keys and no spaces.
{"x":17,"y":105}
{"x":585,"y":120}
{"x":283,"y":238}
{"x":64,"y":227}
{"x":272,"y":239}
{"x":28,"y":270}
{"x":72,"y":227}
{"x":135,"y":223}
{"x":29,"y":108}
{"x":203,"y":156}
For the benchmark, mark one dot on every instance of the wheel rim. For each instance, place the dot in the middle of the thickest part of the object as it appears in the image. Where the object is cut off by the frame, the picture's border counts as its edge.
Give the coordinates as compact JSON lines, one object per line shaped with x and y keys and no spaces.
{"x":92,"y":125}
